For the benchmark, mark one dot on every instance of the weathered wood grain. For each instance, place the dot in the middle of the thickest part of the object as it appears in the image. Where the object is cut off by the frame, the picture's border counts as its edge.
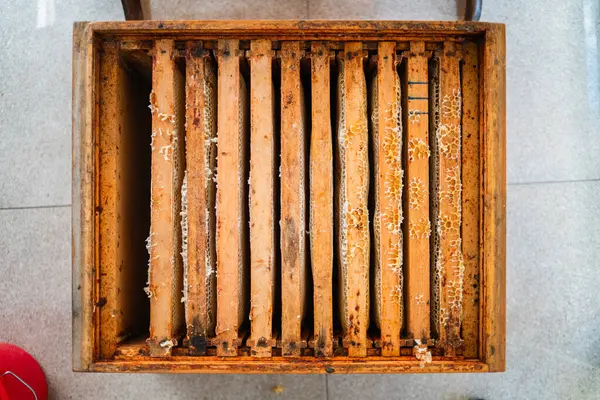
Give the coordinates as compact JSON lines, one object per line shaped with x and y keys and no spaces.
{"x":231,"y":198}
{"x":493,"y":350}
{"x":307,"y":29}
{"x":84,"y":222}
{"x":200,"y":247}
{"x":165,"y":276}
{"x":124,"y":122}
{"x":450,"y":264}
{"x":353,"y":176}
{"x":471,"y":204}
{"x":287,"y":365}
{"x":110,"y":233}
{"x":293,"y":200}
{"x":321,"y":199}
{"x":261,"y":198}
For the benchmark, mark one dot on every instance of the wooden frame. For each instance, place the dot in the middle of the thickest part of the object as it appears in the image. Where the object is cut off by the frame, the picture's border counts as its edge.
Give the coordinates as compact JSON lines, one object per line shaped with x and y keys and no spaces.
{"x":416,"y":236}
{"x":293,"y":194}
{"x":262,"y":199}
{"x":489,"y":152}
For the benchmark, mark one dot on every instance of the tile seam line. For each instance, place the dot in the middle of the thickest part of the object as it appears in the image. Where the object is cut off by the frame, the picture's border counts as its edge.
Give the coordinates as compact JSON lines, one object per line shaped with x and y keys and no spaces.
{"x":34,"y":207}
{"x":554,"y":182}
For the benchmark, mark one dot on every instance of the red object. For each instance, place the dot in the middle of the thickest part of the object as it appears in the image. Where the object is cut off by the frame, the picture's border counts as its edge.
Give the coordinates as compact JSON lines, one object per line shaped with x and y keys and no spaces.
{"x":20,"y":375}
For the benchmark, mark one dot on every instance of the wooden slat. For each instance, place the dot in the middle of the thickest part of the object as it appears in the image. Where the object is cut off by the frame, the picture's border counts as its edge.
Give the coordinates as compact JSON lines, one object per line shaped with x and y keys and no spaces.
{"x":471,"y":210}
{"x":494,"y":199}
{"x":353,"y":201}
{"x":321,"y":200}
{"x":307,"y":29}
{"x":418,"y":228}
{"x":231,"y":198}
{"x":293,"y":210}
{"x":261,"y":198}
{"x":448,"y":220}
{"x":168,"y":162}
{"x":280,"y":365}
{"x":124,"y":123}
{"x":84,"y":198}
{"x":109,"y":228}
{"x":387,"y":136}
{"x":201,"y":123}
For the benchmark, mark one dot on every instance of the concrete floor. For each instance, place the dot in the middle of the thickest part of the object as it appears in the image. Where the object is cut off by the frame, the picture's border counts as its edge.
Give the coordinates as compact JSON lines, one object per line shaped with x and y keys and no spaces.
{"x":553,"y":207}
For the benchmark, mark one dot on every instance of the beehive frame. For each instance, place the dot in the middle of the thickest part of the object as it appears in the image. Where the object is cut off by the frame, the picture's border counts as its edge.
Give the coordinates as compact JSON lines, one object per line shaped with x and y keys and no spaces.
{"x":486,"y":322}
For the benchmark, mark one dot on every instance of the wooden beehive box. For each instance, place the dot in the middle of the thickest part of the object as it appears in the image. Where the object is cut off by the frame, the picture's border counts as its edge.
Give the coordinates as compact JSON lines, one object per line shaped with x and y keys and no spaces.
{"x":289,"y":197}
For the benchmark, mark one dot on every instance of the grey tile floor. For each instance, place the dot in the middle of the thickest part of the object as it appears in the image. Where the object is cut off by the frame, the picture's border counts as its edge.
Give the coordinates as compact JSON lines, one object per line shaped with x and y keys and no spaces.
{"x":553,"y":78}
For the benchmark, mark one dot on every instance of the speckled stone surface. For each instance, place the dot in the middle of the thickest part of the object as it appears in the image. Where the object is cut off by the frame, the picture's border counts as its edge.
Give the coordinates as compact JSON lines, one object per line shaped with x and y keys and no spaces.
{"x":229,"y":9}
{"x":553,"y":114}
{"x":35,"y":97}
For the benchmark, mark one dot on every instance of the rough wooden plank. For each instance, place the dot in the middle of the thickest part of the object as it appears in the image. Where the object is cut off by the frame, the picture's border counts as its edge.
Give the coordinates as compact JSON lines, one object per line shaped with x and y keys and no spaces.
{"x":449,"y":261}
{"x":231,"y":198}
{"x":306,"y":29}
{"x":83,"y":196}
{"x":165,"y":277}
{"x":353,"y":200}
{"x":471,"y":210}
{"x":124,"y":123}
{"x":108,"y":137}
{"x":321,"y":200}
{"x":494,"y":199}
{"x":199,"y":249}
{"x":387,"y":150}
{"x":261,"y":198}
{"x":278,"y":365}
{"x":293,"y":201}
{"x":418,"y":228}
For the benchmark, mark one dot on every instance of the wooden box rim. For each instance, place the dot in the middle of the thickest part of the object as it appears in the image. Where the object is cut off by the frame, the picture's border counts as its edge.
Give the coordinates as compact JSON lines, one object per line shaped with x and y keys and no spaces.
{"x":493,"y":189}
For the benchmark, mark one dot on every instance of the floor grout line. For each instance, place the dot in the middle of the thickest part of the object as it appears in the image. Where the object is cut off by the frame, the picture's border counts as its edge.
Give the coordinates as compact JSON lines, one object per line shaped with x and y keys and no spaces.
{"x":33,"y":207}
{"x":552,"y":182}
{"x":307,"y":9}
{"x":327,"y":386}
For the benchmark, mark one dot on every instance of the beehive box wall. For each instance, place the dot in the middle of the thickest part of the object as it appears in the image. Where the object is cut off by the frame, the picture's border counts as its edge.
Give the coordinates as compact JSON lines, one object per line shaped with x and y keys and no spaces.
{"x":347,"y":253}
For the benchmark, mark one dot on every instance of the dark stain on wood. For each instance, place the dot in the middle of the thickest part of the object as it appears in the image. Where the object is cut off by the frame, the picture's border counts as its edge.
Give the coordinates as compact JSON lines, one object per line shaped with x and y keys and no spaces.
{"x":290,"y":243}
